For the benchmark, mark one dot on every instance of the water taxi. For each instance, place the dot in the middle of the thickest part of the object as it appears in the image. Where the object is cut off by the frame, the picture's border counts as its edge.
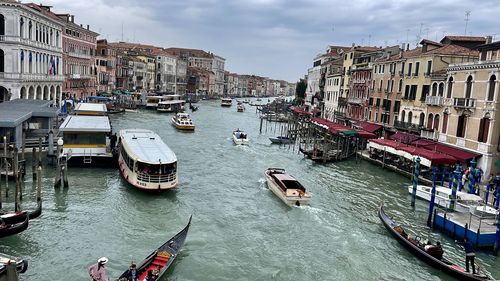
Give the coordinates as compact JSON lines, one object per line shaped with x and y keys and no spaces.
{"x":88,"y":140}
{"x":226,"y":102}
{"x":145,"y":161}
{"x":182,"y":121}
{"x":152,"y":101}
{"x":240,"y":137}
{"x":92,"y":109}
{"x":465,"y":202}
{"x":286,"y":187}
{"x":171,"y":103}
{"x":240,"y":107}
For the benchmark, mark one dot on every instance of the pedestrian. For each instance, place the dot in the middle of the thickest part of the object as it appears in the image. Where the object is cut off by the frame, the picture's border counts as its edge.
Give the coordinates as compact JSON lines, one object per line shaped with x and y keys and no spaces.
{"x":97,"y":271}
{"x":469,"y":254}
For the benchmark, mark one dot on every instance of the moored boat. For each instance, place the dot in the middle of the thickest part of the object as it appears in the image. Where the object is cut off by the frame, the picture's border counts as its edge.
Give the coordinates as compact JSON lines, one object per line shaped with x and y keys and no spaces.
{"x":286,"y":187}
{"x":20,"y":266}
{"x":13,"y":217}
{"x":162,"y":258}
{"x":464,"y":200}
{"x":240,"y":137}
{"x":226,"y":102}
{"x":145,"y":161}
{"x":280,"y":140}
{"x":11,"y":229}
{"x":433,"y":258}
{"x":182,"y":121}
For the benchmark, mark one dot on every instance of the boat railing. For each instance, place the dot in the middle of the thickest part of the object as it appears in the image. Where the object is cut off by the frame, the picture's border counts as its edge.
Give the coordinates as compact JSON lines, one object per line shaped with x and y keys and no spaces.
{"x":144,"y":177}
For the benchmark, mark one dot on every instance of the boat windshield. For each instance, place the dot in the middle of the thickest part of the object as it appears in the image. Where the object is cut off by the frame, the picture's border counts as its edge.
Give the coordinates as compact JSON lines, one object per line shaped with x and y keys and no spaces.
{"x":293,"y":184}
{"x":156,"y":169}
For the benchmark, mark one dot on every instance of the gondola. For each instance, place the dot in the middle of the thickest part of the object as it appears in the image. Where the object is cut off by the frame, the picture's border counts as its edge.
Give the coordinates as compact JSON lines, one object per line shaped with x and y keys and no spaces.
{"x":11,"y":229}
{"x":414,"y":246}
{"x":161,"y":259}
{"x":13,"y":217}
{"x":37,"y":212}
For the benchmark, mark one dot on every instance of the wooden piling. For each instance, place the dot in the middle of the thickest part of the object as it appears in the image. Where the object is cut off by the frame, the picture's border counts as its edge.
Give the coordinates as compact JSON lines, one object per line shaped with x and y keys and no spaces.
{"x":260,"y":130}
{"x":17,"y":208}
{"x":6,"y":166}
{"x":33,"y":162}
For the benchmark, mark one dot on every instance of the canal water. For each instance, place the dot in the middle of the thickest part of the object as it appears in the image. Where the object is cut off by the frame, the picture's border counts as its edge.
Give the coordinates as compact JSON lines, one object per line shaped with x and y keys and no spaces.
{"x":240,"y":230}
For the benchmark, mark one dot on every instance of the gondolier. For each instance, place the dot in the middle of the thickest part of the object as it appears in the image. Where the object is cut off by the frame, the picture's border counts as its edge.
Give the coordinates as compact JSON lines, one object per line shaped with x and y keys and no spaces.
{"x":469,"y":254}
{"x":97,"y":271}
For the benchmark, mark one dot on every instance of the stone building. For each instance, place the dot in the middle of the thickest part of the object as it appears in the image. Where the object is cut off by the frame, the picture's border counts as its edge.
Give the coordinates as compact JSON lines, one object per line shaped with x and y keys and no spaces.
{"x":30,"y":53}
{"x":471,"y":107}
{"x":106,"y":67}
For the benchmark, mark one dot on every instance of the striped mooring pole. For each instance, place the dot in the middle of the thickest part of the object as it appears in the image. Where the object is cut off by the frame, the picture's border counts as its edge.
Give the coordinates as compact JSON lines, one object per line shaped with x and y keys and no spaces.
{"x":433,"y":197}
{"x":471,"y":188}
{"x":497,"y":236}
{"x":416,"y":174}
{"x":456,"y":179}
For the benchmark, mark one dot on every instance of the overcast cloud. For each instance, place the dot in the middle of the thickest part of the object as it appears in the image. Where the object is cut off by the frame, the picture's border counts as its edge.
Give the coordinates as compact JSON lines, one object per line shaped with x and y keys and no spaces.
{"x":278,"y":38}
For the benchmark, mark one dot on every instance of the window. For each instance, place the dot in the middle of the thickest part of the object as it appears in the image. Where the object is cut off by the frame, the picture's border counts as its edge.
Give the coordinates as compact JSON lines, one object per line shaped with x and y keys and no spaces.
{"x":397,"y":104}
{"x":409,"y":69}
{"x":402,"y":68}
{"x":345,"y":58}
{"x":370,"y":101}
{"x":2,"y":61}
{"x":491,"y":87}
{"x":436,"y":122}
{"x":434,"y":89}
{"x":407,"y":92}
{"x":421,"y":119}
{"x":425,"y":92}
{"x":462,"y":124}
{"x":351,"y":55}
{"x":400,"y":85}
{"x":429,"y":67}
{"x":468,"y":87}
{"x":484,"y":126}
{"x":410,"y":117}
{"x":21,"y":27}
{"x":441,"y":89}
{"x":450,"y":87}
{"x":403,"y":115}
{"x":377,"y":102}
{"x":417,"y":66}
{"x":430,"y":120}
{"x":413,"y":92}
{"x":445,"y":123}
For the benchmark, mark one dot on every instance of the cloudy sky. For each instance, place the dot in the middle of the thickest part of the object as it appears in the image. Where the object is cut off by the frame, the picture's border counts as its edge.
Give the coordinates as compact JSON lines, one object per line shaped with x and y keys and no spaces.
{"x":279,"y":38}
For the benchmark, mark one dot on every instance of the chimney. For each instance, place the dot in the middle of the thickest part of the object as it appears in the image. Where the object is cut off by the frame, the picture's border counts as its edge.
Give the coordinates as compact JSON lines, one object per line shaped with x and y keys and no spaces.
{"x":403,"y":46}
{"x":408,"y":46}
{"x":72,"y":18}
{"x":88,"y":27}
{"x":489,"y":39}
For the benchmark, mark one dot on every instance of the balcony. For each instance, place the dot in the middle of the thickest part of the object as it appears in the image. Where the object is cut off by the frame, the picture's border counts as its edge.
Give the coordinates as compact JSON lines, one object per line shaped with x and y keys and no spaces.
{"x":406,"y":126}
{"x":354,"y":100}
{"x":77,"y":76}
{"x":429,"y":134}
{"x":31,"y":77}
{"x":29,"y":42}
{"x":464,"y":103}
{"x":342,"y":101}
{"x":79,"y":55}
{"x":434,"y":100}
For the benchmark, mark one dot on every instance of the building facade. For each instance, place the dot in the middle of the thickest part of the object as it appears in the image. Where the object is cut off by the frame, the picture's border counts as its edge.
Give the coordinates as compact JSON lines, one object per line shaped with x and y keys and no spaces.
{"x":30,"y":53}
{"x":106,"y":67}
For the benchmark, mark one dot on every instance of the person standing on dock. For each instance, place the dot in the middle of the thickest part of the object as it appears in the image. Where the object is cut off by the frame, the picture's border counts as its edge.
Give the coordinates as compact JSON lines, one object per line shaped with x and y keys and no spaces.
{"x":469,"y":254}
{"x":97,"y":271}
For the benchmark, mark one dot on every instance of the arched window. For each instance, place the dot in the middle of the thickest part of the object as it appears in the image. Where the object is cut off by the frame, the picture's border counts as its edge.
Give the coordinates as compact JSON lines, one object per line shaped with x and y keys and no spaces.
{"x":430,"y":121}
{"x":434,"y":89}
{"x":441,"y":89}
{"x":492,"y":87}
{"x":410,"y":117}
{"x":21,"y":28}
{"x":462,"y":124}
{"x":403,"y":113}
{"x":468,"y":87}
{"x":30,"y":29}
{"x":445,"y":123}
{"x":436,"y":122}
{"x":2,"y":25}
{"x":400,"y":85}
{"x":421,"y":119}
{"x":484,"y":127}
{"x":2,"y":61}
{"x":450,"y":87}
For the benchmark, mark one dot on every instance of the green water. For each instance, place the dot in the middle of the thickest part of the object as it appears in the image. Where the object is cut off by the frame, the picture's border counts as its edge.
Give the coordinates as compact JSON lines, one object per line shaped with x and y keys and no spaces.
{"x":240,"y":230}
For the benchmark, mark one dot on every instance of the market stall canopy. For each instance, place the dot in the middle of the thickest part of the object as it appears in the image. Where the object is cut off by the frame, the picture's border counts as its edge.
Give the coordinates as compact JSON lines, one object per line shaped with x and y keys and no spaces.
{"x":300,"y":111}
{"x":460,"y":155}
{"x":335,"y":128}
{"x":404,"y":137}
{"x":369,"y":127}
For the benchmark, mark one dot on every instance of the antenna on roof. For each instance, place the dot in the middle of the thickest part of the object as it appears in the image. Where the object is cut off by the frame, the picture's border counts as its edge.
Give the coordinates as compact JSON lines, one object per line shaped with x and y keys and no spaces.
{"x":467,"y":14}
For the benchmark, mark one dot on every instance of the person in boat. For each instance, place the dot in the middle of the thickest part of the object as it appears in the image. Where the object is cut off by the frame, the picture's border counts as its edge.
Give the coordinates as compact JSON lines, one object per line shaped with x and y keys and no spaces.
{"x":434,"y":250}
{"x":469,"y":254}
{"x":150,"y":276}
{"x":97,"y":271}
{"x":132,"y":273}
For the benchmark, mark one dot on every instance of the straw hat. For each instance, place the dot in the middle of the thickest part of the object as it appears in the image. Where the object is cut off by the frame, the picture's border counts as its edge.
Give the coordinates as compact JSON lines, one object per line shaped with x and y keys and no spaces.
{"x":103,"y":260}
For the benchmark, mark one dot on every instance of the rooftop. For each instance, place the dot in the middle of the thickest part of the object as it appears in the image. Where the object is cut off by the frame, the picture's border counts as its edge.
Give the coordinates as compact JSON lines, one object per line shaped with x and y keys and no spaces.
{"x":15,"y":112}
{"x":75,"y":123}
{"x":146,"y":146}
{"x":94,"y":107}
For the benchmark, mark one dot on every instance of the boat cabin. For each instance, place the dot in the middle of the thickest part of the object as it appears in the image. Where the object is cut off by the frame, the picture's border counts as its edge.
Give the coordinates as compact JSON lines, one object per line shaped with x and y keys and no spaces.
{"x":286,"y":182}
{"x":93,"y":109}
{"x":152,"y":101}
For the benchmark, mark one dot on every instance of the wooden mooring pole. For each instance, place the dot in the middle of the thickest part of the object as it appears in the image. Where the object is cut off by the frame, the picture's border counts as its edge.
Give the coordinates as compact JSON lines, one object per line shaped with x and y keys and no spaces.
{"x":16,"y":176}
{"x":6,"y":166}
{"x":61,"y":176}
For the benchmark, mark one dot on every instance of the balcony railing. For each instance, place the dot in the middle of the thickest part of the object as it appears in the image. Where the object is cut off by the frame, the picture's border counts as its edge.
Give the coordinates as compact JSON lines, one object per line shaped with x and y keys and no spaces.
{"x":156,"y":178}
{"x":31,"y":76}
{"x":464,"y":102}
{"x":79,"y":55}
{"x":434,"y":100}
{"x":30,"y":42}
{"x":433,"y":135}
{"x":406,"y":126}
{"x":354,"y":100}
{"x":342,"y":101}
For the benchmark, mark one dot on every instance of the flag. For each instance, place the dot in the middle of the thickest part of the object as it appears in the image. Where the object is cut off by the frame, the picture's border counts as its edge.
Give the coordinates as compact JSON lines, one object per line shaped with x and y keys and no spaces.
{"x":31,"y":57}
{"x":22,"y":55}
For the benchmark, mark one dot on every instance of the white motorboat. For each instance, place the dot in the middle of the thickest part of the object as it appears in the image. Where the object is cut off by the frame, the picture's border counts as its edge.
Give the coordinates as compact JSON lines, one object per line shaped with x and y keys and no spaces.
{"x":240,"y":137}
{"x":182,"y":121}
{"x":145,"y":161}
{"x":464,"y":200}
{"x":226,"y":102}
{"x":286,"y":187}
{"x":240,"y":107}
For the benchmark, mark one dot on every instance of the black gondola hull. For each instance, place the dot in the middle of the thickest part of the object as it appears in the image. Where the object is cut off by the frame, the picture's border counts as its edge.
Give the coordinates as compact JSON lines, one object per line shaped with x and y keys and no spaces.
{"x":11,"y":229}
{"x":452,"y":270}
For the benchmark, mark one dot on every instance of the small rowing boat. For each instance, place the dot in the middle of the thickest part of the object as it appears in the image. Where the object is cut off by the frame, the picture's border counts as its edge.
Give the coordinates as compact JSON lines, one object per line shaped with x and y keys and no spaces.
{"x":11,"y":229}
{"x":280,"y":140}
{"x":414,"y":246}
{"x":161,"y":259}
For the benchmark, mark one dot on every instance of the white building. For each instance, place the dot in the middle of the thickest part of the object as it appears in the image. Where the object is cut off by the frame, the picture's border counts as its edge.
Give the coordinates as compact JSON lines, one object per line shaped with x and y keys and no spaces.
{"x":218,"y":70}
{"x":30,"y":54}
{"x":332,"y":90}
{"x":166,"y":72}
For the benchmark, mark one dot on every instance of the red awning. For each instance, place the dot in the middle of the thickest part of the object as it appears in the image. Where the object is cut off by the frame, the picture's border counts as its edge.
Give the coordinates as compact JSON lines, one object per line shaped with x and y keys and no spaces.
{"x":333,"y":127}
{"x":404,"y":137}
{"x":386,"y":142}
{"x":435,"y":157}
{"x":370,"y":127}
{"x":457,"y":153}
{"x":366,"y":135}
{"x":422,"y":142}
{"x":300,"y":111}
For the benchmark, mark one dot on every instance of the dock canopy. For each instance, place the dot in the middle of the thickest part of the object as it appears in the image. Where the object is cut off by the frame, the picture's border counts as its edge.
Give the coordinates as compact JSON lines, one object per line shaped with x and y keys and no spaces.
{"x":335,"y":128}
{"x":457,"y":153}
{"x":299,"y":111}
{"x":75,"y":123}
{"x":90,"y":109}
